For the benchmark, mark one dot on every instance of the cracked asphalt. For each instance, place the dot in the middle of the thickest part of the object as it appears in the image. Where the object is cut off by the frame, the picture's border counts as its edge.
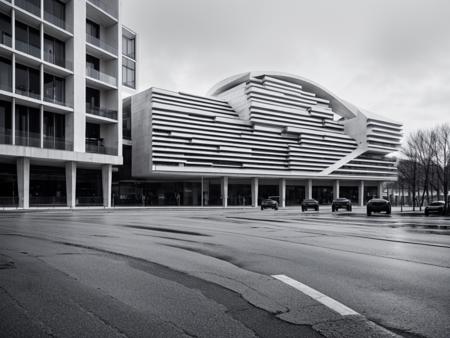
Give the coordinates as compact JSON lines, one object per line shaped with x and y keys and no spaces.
{"x":207,"y":273}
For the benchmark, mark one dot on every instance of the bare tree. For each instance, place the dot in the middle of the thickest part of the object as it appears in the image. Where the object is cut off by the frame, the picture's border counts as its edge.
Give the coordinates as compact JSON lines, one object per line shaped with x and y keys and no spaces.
{"x":442,"y":159}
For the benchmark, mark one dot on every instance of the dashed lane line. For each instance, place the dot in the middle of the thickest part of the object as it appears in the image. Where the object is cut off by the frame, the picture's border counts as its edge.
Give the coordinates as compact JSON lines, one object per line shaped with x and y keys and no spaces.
{"x":318,"y":296}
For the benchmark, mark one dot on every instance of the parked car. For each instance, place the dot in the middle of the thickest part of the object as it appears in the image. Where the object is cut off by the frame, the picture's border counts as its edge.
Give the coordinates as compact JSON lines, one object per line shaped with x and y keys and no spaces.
{"x":378,"y":205}
{"x":310,"y":204}
{"x":436,"y":207}
{"x":269,"y":203}
{"x":343,"y":203}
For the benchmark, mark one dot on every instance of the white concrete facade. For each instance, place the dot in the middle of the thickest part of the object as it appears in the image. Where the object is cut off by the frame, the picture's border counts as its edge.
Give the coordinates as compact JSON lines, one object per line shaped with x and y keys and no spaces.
{"x":67,"y":59}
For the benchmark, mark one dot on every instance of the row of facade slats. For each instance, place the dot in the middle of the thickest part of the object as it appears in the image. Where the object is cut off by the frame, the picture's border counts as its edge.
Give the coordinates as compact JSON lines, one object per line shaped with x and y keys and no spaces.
{"x":382,"y":136}
{"x":198,"y":131}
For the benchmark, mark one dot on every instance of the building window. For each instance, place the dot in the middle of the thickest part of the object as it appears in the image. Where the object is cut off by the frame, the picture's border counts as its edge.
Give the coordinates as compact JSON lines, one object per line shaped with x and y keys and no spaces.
{"x":5,"y":30}
{"x":32,"y":6}
{"x":54,"y":89}
{"x":128,"y":72}
{"x":126,"y":119}
{"x":5,"y":122}
{"x":54,"y":51}
{"x":55,"y":12}
{"x":27,"y":81}
{"x":54,"y":131}
{"x":92,"y":29}
{"x":92,"y":98}
{"x":129,"y":47}
{"x":28,"y":39}
{"x":5,"y":74}
{"x":28,"y":126}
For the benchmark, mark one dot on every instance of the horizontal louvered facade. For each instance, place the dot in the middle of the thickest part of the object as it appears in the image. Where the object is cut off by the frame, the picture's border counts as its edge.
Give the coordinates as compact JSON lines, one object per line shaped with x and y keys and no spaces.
{"x":273,"y":125}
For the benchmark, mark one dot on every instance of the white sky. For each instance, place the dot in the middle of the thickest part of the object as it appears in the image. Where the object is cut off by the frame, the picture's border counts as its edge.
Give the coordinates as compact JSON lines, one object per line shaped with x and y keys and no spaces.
{"x":389,"y":56}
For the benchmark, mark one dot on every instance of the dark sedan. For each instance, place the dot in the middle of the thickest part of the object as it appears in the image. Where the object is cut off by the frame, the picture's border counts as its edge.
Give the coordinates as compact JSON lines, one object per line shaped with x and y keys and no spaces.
{"x":269,"y":204}
{"x":436,"y":207}
{"x":310,"y":204}
{"x":378,"y":205}
{"x":341,"y":203}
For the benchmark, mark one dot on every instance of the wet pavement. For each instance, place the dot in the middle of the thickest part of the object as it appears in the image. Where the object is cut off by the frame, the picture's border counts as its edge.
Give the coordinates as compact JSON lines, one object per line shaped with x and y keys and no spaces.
{"x":207,"y":273}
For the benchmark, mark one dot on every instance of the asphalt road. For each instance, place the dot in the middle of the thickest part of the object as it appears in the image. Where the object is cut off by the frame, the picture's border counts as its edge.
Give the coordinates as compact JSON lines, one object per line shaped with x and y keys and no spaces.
{"x":207,"y":273}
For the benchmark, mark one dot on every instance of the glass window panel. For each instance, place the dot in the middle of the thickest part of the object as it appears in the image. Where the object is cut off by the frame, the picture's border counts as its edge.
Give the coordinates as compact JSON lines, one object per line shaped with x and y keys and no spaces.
{"x":21,"y":78}
{"x":35,"y":42}
{"x":34,"y":81}
{"x":5,"y":29}
{"x":5,"y":74}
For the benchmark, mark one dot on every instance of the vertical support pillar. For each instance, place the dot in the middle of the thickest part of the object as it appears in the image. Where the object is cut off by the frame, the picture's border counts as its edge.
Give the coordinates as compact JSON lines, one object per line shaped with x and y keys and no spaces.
{"x":225,"y":192}
{"x":336,"y":189}
{"x":255,"y":186}
{"x":107,"y":184}
{"x":202,"y":194}
{"x":380,"y":189}
{"x":71,"y":183}
{"x":282,"y":193}
{"x":23,"y":182}
{"x":309,"y":189}
{"x":361,"y":193}
{"x":41,"y":124}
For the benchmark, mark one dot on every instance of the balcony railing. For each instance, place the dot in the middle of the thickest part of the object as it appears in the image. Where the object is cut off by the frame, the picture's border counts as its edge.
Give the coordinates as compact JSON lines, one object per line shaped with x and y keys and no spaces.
{"x":98,"y":75}
{"x":107,"y":6}
{"x":28,"y":140}
{"x":103,"y":112}
{"x":25,"y":92}
{"x":50,"y":57}
{"x":7,"y":87}
{"x":61,"y":23}
{"x":29,"y":7}
{"x":101,"y":44}
{"x":57,"y":143}
{"x":6,"y":136}
{"x":56,"y":101}
{"x":6,"y":39}
{"x":96,"y":146}
{"x":27,"y":48}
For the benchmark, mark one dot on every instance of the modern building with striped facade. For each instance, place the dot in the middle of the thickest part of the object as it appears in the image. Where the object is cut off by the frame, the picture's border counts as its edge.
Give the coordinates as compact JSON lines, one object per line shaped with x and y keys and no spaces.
{"x":254,"y":135}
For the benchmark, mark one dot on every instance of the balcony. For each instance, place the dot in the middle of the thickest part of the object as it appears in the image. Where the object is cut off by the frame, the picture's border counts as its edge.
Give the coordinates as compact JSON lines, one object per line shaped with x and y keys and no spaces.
{"x":28,"y":93}
{"x":102,"y":112}
{"x":61,"y":23}
{"x":7,"y":87}
{"x":57,"y":101}
{"x":28,"y":139}
{"x":29,"y":49}
{"x":29,"y":7}
{"x":57,"y":143}
{"x":6,"y":136}
{"x":6,"y":39}
{"x":51,"y":58}
{"x":107,"y":6}
{"x":101,"y":44}
{"x":96,"y":146}
{"x":100,"y":76}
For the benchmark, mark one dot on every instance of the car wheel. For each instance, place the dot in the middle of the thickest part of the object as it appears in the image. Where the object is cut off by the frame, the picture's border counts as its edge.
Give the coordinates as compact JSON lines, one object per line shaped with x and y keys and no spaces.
{"x":317,"y":208}
{"x":262,"y":208}
{"x":276,"y":208}
{"x":303,"y":209}
{"x":333,"y":209}
{"x":369,"y":212}
{"x":388,"y":211}
{"x":427,"y":213}
{"x":349,"y":208}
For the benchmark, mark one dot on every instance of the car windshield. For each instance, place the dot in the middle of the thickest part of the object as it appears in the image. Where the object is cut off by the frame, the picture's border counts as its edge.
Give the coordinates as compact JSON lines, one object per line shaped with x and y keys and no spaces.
{"x":341,"y":199}
{"x":437,"y":203}
{"x":309,"y":200}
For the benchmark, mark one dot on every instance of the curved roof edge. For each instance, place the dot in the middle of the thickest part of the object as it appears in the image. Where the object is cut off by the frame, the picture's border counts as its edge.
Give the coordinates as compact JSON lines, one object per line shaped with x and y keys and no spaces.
{"x":339,"y":106}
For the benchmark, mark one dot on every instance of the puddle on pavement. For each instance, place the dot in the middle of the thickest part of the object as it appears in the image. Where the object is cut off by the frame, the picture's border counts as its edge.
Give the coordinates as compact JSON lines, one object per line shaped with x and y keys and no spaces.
{"x":169,"y":230}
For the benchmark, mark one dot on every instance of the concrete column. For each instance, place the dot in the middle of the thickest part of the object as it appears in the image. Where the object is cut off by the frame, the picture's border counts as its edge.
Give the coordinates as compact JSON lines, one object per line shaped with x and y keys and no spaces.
{"x":255,"y":186}
{"x":282,"y":193}
{"x":225,"y":192}
{"x":308,"y":192}
{"x":361,"y":193}
{"x":336,"y":188}
{"x":71,"y":183}
{"x":107,"y":184}
{"x":380,"y":189}
{"x":23,"y":182}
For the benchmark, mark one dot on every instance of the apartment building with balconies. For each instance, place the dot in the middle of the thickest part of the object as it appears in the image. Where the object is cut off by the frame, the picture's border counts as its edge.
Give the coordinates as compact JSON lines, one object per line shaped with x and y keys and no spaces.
{"x":60,"y":101}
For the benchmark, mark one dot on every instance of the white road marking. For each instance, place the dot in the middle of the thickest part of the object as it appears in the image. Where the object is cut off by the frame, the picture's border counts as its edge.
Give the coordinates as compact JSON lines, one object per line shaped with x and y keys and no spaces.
{"x":318,"y":296}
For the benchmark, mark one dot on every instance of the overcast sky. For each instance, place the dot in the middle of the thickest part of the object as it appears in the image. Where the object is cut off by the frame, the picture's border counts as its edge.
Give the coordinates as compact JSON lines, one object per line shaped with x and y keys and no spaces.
{"x":389,"y":56}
